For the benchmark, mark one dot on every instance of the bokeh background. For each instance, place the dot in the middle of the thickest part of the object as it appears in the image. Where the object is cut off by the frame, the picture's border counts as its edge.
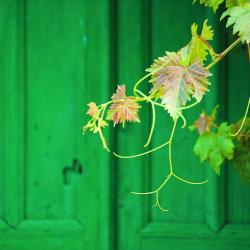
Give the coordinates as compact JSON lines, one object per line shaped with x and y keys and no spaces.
{"x":60,"y":190}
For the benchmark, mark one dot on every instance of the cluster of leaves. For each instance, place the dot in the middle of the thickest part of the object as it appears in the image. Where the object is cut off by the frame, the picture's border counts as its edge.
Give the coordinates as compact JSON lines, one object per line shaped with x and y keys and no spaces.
{"x":123,"y":108}
{"x":239,"y":15}
{"x":177,"y":77}
{"x":184,"y":75}
{"x":216,"y":144}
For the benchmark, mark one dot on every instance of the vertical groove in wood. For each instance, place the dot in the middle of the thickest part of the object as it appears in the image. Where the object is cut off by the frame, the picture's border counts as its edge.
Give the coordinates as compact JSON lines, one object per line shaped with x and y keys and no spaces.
{"x":12,"y":80}
{"x":146,"y":57}
{"x":133,"y":59}
{"x":97,"y":179}
{"x":106,"y":178}
{"x":113,"y":170}
{"x":215,"y":196}
{"x":25,"y":131}
{"x":238,"y":83}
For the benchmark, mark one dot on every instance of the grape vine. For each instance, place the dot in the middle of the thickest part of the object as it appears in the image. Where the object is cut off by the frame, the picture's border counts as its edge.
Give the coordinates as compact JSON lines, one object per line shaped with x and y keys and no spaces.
{"x":177,"y":78}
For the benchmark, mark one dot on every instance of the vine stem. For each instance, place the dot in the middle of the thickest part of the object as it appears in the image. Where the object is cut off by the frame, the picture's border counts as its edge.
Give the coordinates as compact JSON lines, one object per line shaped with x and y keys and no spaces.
{"x":244,"y":119}
{"x":100,"y":130}
{"x":221,"y":55}
{"x":168,"y":177}
{"x":153,"y":103}
{"x":152,"y":125}
{"x":148,"y":75}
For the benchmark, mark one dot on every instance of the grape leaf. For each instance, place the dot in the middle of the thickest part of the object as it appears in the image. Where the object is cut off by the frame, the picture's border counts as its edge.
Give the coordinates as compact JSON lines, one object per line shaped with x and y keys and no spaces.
{"x":232,"y":3}
{"x":215,"y":147}
{"x":205,"y":122}
{"x":93,"y":110}
{"x":211,"y":3}
{"x":198,"y":48}
{"x":123,"y":108}
{"x":239,"y":17}
{"x":175,"y":84}
{"x":241,"y":160}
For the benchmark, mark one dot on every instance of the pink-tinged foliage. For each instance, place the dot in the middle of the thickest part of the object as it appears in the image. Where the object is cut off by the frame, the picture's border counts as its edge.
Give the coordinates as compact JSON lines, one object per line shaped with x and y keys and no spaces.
{"x":203,"y":124}
{"x":123,"y":108}
{"x":93,"y":109}
{"x":175,"y":84}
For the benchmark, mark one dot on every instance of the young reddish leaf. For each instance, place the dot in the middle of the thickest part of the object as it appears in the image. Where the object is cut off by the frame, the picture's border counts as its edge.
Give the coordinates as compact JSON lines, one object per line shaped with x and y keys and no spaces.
{"x":175,"y":84}
{"x":123,"y":108}
{"x":93,"y":109}
{"x":205,"y":122}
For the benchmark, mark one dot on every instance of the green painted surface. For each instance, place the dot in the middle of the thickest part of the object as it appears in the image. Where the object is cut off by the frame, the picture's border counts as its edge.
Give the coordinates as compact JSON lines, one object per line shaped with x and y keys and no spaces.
{"x":59,"y":190}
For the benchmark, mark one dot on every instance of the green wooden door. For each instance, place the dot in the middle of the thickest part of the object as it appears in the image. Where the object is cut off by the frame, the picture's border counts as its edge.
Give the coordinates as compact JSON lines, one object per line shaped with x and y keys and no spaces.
{"x":50,"y":182}
{"x":59,"y":190}
{"x":211,"y":216}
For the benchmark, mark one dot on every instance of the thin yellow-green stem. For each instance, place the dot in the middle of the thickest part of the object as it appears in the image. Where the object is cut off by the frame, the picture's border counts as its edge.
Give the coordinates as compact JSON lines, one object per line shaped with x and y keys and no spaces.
{"x":183,"y":119}
{"x":144,"y":193}
{"x":189,"y":106}
{"x":189,"y":182}
{"x":220,"y":56}
{"x":141,"y":154}
{"x":157,"y":203}
{"x":149,"y":74}
{"x":170,"y":147}
{"x":164,"y":182}
{"x":100,"y":130}
{"x":244,"y":119}
{"x":152,"y":125}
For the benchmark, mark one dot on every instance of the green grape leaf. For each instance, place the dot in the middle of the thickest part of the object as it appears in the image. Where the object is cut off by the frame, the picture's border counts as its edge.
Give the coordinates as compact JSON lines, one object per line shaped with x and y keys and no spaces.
{"x":239,"y":17}
{"x":176,"y":84}
{"x":123,"y":108}
{"x":198,"y":48}
{"x":241,"y":160}
{"x":215,"y":147}
{"x":211,"y":3}
{"x":232,"y":3}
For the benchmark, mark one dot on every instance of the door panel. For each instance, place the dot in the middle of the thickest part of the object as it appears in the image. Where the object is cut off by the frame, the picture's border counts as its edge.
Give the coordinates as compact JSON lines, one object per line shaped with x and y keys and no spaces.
{"x":59,"y":190}
{"x":49,"y":50}
{"x":206,"y":216}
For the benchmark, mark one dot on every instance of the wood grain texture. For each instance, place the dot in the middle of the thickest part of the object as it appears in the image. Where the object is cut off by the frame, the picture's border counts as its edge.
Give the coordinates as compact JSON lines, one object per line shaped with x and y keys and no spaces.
{"x":59,"y":190}
{"x":12,"y":111}
{"x":96,"y":190}
{"x":198,"y":215}
{"x":132,"y":60}
{"x":55,"y":57}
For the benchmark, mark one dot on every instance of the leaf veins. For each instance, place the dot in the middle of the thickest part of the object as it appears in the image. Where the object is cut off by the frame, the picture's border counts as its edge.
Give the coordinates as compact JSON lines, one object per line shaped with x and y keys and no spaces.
{"x":123,"y":108}
{"x":175,"y":84}
{"x":198,"y":48}
{"x":239,"y":17}
{"x":215,"y":147}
